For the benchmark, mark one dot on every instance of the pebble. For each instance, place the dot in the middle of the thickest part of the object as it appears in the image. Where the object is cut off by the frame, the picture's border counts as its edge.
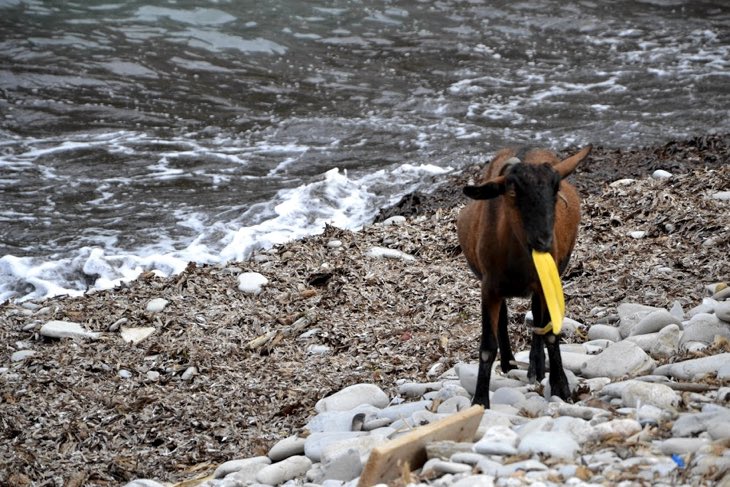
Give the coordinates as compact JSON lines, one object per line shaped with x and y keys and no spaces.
{"x":66,"y":329}
{"x":136,"y":335}
{"x":661,"y":174}
{"x":581,"y":443}
{"x":394,"y":220}
{"x":353,"y":396}
{"x":156,"y":305}
{"x":630,"y":314}
{"x":620,"y":359}
{"x":689,"y":369}
{"x":21,"y":355}
{"x":604,"y":332}
{"x":385,"y":253}
{"x":653,"y":322}
{"x":555,"y":444}
{"x":234,"y":466}
{"x":251,"y":282}
{"x":288,"y":447}
{"x":721,"y":195}
{"x":637,"y":392}
{"x":280,"y":472}
{"x":189,"y":373}
{"x":722,"y":311}
{"x":703,"y":328}
{"x":498,"y":440}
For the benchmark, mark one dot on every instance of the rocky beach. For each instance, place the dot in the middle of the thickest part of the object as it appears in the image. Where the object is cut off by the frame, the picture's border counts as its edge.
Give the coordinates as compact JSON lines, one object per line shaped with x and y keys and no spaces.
{"x":290,"y":367}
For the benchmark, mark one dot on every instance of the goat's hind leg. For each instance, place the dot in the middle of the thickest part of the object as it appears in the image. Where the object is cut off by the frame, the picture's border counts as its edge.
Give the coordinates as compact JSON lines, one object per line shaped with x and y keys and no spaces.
{"x":505,"y":348}
{"x":487,"y":348}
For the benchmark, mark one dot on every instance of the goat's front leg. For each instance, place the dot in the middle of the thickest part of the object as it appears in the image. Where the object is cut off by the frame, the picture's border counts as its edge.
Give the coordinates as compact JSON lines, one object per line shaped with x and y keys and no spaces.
{"x":558,"y":380}
{"x":506,"y":358}
{"x":488,"y":347}
{"x":540,"y":318}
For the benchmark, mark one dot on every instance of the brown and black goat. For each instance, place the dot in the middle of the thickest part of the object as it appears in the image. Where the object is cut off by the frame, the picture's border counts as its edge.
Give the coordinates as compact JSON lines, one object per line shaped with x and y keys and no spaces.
{"x":522,"y":207}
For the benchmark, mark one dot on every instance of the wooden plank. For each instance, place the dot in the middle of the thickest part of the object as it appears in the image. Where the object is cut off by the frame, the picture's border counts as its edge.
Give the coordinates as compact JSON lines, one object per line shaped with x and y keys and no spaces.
{"x":386,"y":462}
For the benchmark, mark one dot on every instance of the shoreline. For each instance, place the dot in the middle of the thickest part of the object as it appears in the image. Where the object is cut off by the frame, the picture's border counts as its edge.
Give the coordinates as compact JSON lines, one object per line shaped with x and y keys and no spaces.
{"x":225,"y":374}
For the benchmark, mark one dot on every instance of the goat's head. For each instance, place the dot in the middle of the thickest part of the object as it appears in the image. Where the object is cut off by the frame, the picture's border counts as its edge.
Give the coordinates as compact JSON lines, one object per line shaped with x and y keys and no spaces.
{"x":530,"y":192}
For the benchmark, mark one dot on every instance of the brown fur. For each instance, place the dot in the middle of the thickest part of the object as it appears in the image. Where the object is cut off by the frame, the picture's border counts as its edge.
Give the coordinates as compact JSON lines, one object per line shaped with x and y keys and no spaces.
{"x":492,"y":237}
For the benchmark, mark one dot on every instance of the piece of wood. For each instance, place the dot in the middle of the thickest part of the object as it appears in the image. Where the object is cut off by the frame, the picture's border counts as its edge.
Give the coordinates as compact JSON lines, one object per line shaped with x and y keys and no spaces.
{"x":386,"y":461}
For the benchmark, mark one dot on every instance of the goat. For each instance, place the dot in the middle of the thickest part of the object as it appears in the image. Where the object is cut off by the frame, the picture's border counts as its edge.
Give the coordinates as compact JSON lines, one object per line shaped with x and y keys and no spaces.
{"x":523,"y":207}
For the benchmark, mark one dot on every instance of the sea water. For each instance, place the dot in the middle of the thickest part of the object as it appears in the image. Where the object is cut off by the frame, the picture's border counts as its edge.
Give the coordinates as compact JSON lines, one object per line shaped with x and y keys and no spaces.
{"x":139,"y":136}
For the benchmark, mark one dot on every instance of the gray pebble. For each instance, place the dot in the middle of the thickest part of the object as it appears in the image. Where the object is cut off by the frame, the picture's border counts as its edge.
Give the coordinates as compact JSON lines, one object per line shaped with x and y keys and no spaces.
{"x":288,"y":447}
{"x":654,"y":322}
{"x":156,"y":305}
{"x":604,"y":332}
{"x":66,"y":329}
{"x":280,"y":472}
{"x":722,"y":311}
{"x":620,"y":359}
{"x":233,"y":466}
{"x":453,"y":405}
{"x":344,"y":465}
{"x":554,"y":444}
{"x":507,"y":395}
{"x":630,"y":314}
{"x":443,"y":466}
{"x":637,"y":392}
{"x":21,"y":355}
{"x":353,"y":396}
{"x":703,"y":328}
{"x":680,"y":445}
{"x":143,"y":483}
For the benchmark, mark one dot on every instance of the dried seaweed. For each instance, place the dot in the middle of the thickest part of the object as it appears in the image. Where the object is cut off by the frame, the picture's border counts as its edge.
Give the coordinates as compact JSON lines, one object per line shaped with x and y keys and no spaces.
{"x":67,"y":416}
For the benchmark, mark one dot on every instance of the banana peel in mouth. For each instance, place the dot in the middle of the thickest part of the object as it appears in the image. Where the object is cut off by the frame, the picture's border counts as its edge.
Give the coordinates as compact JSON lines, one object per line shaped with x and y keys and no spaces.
{"x":552,"y":289}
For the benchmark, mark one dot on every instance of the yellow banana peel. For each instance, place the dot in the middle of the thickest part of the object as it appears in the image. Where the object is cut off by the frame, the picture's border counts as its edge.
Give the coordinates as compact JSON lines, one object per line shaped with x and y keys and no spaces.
{"x":552,"y":289}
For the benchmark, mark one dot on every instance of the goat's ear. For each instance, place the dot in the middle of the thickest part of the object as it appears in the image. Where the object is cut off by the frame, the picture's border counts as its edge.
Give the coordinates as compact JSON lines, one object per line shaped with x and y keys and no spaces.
{"x":568,"y":165}
{"x":490,"y":189}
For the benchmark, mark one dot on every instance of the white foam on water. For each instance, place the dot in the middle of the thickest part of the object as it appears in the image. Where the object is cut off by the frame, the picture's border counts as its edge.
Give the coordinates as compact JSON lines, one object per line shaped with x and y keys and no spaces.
{"x":334,"y":199}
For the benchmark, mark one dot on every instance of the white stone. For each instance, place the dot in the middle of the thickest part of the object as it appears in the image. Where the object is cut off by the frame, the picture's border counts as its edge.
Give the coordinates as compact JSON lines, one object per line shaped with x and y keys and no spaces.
{"x":661,"y":174}
{"x":66,"y":329}
{"x":395,"y":220}
{"x":703,"y":328}
{"x":497,"y":440}
{"x":677,"y":310}
{"x":334,"y":244}
{"x":615,"y":428}
{"x":637,"y":234}
{"x":153,"y":375}
{"x":653,"y":322}
{"x":136,"y":335}
{"x":689,"y":369}
{"x":715,"y":421}
{"x":721,"y":195}
{"x":143,"y":483}
{"x":21,"y":355}
{"x":574,"y":361}
{"x":189,"y":373}
{"x":251,"y":282}
{"x":475,"y":481}
{"x":555,"y":444}
{"x":578,"y":429}
{"x":287,"y":469}
{"x":543,"y":423}
{"x":630,"y":314}
{"x":507,"y":395}
{"x":236,"y":465}
{"x":443,"y":466}
{"x":333,"y":421}
{"x":343,"y":465}
{"x":288,"y":447}
{"x":352,"y":396}
{"x":620,"y":359}
{"x":638,"y":392}
{"x":722,"y":311}
{"x":467,"y":376}
{"x":315,"y":443}
{"x":156,"y":305}
{"x":404,"y":410}
{"x":680,"y":445}
{"x":667,"y":342}
{"x":604,"y":332}
{"x":125,"y":374}
{"x":385,"y":253}
{"x":622,"y":182}
{"x":454,"y":404}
